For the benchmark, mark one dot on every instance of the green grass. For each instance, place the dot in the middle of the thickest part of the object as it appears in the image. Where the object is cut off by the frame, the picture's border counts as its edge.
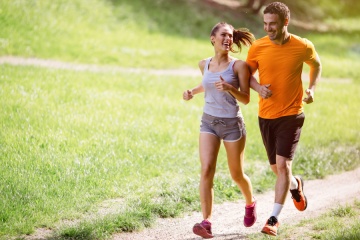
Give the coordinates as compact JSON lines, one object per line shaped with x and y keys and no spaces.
{"x":341,"y":222}
{"x":332,"y":122}
{"x":339,"y":53}
{"x":114,"y":32}
{"x":72,"y":140}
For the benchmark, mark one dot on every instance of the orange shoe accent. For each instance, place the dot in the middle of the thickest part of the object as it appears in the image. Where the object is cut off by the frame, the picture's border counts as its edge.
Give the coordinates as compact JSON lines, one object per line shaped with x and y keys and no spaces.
{"x":271,"y":226}
{"x":298,"y":196}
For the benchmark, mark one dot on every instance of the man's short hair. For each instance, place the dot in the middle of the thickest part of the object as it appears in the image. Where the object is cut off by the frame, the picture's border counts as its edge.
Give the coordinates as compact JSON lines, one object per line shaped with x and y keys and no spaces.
{"x":278,"y":8}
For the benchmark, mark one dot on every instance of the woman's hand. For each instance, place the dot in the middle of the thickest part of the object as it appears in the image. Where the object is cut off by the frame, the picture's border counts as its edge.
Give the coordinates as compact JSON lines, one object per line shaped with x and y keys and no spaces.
{"x":187,"y":95}
{"x":222,"y":85}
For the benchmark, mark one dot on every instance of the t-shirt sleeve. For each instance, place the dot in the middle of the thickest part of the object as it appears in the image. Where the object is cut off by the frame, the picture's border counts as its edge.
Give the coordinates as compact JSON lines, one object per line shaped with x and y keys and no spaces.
{"x":311,"y":54}
{"x":251,"y":60}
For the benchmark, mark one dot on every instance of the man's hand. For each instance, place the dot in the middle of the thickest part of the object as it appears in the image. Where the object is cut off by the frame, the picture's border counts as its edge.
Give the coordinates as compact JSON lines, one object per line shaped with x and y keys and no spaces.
{"x":310,"y":96}
{"x":264,"y":91}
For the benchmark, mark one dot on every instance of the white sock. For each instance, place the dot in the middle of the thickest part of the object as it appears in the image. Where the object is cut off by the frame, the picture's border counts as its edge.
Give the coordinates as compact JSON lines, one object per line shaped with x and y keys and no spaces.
{"x":276,"y":210}
{"x":293,"y":183}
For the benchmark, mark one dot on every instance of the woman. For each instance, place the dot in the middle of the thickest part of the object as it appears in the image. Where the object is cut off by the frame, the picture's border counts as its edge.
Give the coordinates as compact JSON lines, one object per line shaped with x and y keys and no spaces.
{"x":225,"y":81}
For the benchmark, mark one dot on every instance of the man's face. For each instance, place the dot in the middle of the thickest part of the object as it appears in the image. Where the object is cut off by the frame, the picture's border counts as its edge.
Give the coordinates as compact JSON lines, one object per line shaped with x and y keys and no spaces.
{"x":273,"y":26}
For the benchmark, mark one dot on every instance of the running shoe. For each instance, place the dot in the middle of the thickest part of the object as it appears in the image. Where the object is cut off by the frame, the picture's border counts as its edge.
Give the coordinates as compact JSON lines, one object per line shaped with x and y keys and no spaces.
{"x":203,"y":229}
{"x":271,"y":226}
{"x":250,"y":215}
{"x":298,"y":195}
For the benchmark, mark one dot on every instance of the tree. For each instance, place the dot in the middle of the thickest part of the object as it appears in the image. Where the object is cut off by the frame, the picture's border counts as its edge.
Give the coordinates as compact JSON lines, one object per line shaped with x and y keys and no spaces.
{"x":254,"y":5}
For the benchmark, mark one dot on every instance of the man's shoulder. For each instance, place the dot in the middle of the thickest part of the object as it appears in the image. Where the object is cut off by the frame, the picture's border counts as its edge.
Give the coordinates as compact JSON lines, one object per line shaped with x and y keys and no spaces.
{"x":262,"y":40}
{"x":300,"y":40}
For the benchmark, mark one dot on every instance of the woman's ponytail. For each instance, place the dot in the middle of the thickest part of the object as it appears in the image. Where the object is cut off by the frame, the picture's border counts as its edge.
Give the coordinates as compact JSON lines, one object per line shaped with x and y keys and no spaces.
{"x":242,"y":36}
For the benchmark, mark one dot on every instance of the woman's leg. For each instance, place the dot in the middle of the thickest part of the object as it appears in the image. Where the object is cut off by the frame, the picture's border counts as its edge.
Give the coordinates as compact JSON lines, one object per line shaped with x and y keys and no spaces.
{"x":235,"y":155}
{"x":209,"y":145}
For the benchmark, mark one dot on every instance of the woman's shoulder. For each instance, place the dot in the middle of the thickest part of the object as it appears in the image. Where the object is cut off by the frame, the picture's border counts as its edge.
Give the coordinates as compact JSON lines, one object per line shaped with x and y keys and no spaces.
{"x":240,"y":63}
{"x":202,"y":62}
{"x":201,"y":65}
{"x":240,"y":66}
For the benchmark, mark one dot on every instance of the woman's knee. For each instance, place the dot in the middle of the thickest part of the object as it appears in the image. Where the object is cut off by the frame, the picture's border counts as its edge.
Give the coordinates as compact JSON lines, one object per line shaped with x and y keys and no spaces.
{"x":238,"y":177}
{"x":208,"y":171}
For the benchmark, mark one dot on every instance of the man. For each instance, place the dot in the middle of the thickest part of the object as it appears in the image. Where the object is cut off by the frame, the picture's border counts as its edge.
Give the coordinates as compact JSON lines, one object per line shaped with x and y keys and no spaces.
{"x":279,"y":58}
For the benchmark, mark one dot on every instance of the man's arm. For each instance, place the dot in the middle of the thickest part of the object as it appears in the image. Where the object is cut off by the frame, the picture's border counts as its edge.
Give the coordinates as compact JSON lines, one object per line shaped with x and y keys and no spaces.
{"x":314,"y":77}
{"x":262,"y":90}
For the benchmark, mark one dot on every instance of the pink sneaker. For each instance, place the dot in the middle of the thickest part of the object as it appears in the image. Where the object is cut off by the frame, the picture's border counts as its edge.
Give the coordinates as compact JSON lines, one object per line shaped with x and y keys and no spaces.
{"x":250,"y":215}
{"x":203,"y":229}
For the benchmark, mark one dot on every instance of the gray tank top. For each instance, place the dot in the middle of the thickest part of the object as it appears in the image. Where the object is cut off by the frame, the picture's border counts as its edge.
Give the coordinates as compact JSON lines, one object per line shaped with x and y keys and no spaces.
{"x":217,"y":103}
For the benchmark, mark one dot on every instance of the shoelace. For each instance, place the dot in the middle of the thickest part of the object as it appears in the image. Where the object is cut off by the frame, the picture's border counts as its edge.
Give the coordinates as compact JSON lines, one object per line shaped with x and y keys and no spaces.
{"x":217,"y":121}
{"x":272,"y":221}
{"x":295,"y":195}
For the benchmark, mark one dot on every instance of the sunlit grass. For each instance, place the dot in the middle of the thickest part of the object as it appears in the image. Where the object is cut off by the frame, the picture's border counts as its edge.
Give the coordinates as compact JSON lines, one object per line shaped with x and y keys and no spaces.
{"x":344,"y":24}
{"x":71,"y":140}
{"x":341,"y":222}
{"x":332,"y":122}
{"x":339,"y":54}
{"x":104,"y":32}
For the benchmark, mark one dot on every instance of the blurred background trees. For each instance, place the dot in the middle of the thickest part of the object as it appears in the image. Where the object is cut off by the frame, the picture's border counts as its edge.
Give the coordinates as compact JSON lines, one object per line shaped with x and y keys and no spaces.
{"x":315,"y":9}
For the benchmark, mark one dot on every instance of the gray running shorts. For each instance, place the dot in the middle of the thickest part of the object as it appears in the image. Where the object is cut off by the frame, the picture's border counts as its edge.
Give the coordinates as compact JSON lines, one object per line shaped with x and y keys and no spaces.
{"x":227,"y":129}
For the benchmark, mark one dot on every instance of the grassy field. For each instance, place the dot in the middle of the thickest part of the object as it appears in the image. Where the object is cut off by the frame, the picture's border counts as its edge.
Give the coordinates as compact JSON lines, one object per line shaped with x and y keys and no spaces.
{"x":340,"y":223}
{"x":71,"y":140}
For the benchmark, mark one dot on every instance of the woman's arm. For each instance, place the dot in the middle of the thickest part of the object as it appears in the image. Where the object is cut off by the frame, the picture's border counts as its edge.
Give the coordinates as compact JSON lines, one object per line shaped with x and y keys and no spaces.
{"x":189,"y":94}
{"x":243,"y":93}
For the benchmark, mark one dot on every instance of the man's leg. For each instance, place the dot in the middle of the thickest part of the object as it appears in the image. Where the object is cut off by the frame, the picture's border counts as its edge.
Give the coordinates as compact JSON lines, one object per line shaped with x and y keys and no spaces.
{"x":282,"y":170}
{"x":283,"y":173}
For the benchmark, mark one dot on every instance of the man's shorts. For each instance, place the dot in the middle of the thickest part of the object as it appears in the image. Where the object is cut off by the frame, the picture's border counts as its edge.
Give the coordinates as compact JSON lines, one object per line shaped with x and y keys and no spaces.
{"x":281,"y":135}
{"x":227,"y":129}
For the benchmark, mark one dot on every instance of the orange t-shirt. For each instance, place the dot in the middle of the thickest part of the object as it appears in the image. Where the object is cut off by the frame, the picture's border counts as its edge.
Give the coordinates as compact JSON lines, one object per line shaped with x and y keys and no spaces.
{"x":281,"y":66}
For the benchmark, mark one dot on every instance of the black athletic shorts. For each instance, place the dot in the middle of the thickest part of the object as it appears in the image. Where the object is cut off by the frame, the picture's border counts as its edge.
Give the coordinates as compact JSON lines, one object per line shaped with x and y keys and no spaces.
{"x":281,"y":135}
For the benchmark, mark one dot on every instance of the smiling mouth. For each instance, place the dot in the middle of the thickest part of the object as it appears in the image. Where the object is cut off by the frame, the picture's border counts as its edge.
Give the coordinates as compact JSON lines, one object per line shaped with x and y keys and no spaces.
{"x":271,"y":34}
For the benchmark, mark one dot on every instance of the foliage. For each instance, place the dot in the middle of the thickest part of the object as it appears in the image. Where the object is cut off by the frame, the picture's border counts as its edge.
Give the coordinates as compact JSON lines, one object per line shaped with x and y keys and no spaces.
{"x":311,"y":9}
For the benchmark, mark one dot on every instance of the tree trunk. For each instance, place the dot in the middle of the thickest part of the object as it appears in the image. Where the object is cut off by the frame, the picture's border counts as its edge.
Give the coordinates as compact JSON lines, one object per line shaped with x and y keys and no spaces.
{"x":254,"y":6}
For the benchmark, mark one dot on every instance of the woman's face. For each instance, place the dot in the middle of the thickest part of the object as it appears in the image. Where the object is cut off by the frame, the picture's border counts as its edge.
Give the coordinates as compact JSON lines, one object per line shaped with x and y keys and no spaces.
{"x":223,"y":38}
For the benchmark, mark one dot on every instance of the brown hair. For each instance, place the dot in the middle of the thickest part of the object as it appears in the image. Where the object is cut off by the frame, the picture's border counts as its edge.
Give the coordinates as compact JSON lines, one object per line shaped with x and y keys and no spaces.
{"x":280,"y":9}
{"x":241,"y":36}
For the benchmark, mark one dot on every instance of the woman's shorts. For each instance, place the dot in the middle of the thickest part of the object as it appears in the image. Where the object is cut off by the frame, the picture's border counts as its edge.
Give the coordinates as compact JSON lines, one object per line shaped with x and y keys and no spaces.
{"x":227,"y":129}
{"x":281,"y":135}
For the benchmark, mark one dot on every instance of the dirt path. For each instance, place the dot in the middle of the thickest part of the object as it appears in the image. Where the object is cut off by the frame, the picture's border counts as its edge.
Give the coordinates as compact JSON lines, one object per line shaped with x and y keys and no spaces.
{"x":227,"y":218}
{"x":46,"y":63}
